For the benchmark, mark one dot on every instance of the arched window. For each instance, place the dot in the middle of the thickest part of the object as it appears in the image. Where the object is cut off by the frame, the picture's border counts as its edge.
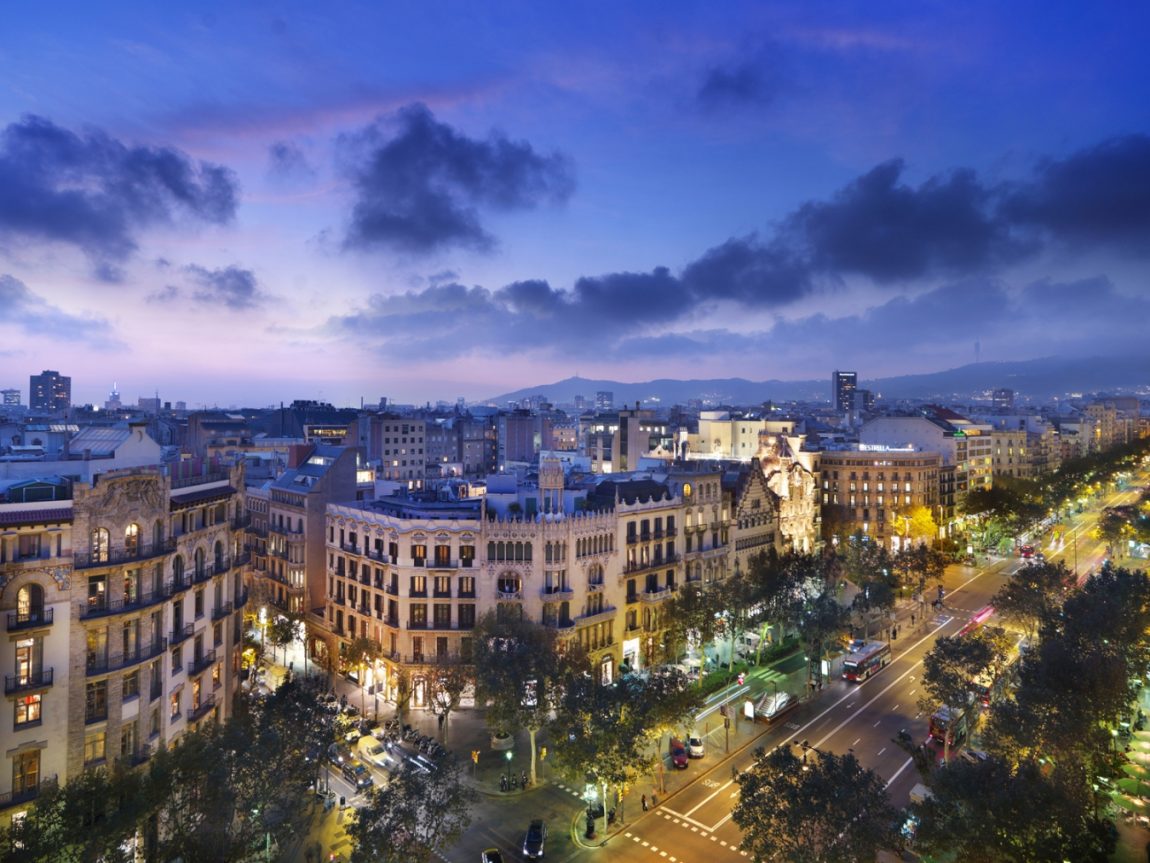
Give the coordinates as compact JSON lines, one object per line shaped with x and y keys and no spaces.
{"x":178,"y":569}
{"x":547,"y":553}
{"x":100,"y":545}
{"x":158,"y":534}
{"x":132,"y":540}
{"x":526,"y":551}
{"x":219,"y":556}
{"x":491,"y":550}
{"x":30,"y":603}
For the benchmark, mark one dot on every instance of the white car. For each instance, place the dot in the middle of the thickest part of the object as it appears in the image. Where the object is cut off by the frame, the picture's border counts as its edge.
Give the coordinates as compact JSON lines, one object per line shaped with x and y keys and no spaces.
{"x":774,"y":705}
{"x":374,"y":752}
{"x":695,"y":746}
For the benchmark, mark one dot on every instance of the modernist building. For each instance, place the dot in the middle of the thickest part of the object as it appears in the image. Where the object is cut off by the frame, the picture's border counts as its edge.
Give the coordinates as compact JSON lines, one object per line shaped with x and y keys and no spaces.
{"x":122,"y":598}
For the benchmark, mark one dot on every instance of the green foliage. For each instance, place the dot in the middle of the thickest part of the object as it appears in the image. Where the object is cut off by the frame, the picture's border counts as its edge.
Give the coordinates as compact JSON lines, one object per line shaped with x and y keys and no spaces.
{"x":991,"y":813}
{"x":413,"y":818}
{"x":1033,"y":595}
{"x":828,"y":810}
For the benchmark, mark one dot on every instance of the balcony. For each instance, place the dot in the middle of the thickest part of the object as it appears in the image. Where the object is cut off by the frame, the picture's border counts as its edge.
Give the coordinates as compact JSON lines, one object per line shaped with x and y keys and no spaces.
{"x":241,"y":521}
{"x":206,"y":706}
{"x":241,"y":600}
{"x":392,"y":589}
{"x":142,"y":599}
{"x":222,"y":611}
{"x":658,"y":594}
{"x":559,"y":624}
{"x":594,"y":587}
{"x":632,"y":597}
{"x":182,"y":633}
{"x":608,"y":613}
{"x":26,"y":795}
{"x":14,"y":683}
{"x":442,"y":564}
{"x":656,"y":563}
{"x":285,"y":531}
{"x":88,"y":560}
{"x":508,"y":595}
{"x":557,"y":593}
{"x":18,"y":620}
{"x":202,"y":663}
{"x":104,"y":664}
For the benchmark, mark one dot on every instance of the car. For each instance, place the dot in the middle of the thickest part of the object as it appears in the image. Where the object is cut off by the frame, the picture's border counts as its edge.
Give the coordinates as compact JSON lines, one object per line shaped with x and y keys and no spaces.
{"x":973,"y":756}
{"x":357,"y":774}
{"x":678,"y":753}
{"x":533,"y":841}
{"x":352,"y":735}
{"x":695,"y":746}
{"x":337,"y":754}
{"x":1026,"y":552}
{"x":374,"y":752}
{"x":491,"y":855}
{"x":350,"y":711}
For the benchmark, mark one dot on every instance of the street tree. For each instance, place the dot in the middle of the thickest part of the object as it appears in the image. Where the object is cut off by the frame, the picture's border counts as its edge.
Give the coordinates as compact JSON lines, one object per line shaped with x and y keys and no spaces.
{"x":413,"y":818}
{"x":280,"y":633}
{"x":92,"y":817}
{"x":518,"y":669}
{"x":993,"y":812}
{"x":446,"y":686}
{"x":820,"y":620}
{"x":1032,"y":595}
{"x":362,"y":653}
{"x":694,"y":617}
{"x":948,"y":672}
{"x":824,"y":809}
{"x":224,"y":788}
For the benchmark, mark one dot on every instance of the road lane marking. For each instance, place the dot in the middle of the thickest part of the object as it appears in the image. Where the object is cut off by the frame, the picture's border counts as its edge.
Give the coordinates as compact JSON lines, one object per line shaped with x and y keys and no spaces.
{"x":708,"y":798}
{"x":905,"y":765}
{"x":876,"y":724}
{"x":856,"y":743}
{"x":880,"y":752}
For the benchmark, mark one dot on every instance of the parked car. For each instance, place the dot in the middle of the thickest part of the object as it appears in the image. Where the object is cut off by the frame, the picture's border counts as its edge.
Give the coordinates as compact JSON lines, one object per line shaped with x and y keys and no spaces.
{"x":695,"y":746}
{"x":678,"y":753}
{"x":491,"y":855}
{"x":533,"y":841}
{"x":357,"y":774}
{"x":973,"y":756}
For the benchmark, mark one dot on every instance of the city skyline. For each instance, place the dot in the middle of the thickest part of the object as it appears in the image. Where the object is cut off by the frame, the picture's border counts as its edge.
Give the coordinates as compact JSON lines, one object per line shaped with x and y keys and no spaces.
{"x":247,"y":205}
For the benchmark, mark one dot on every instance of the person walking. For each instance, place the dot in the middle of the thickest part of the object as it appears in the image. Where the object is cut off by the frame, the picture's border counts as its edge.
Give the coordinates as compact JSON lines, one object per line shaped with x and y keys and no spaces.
{"x":643,"y":800}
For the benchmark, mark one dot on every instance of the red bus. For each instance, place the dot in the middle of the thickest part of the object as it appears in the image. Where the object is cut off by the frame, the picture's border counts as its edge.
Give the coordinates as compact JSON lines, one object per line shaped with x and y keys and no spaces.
{"x":860,"y":664}
{"x":948,"y":726}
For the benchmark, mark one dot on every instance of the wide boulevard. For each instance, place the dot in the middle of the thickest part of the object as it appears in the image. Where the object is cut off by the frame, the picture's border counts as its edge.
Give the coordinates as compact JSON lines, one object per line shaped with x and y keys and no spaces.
{"x":694,"y":823}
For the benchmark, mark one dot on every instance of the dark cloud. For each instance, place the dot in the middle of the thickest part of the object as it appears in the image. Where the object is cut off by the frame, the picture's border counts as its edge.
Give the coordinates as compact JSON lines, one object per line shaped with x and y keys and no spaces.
{"x":877,"y":227}
{"x":21,"y":308}
{"x":420,"y":184}
{"x":753,"y":81}
{"x":92,"y":191}
{"x":286,"y":161}
{"x":888,"y":231}
{"x":232,"y":287}
{"x":166,"y":294}
{"x":1095,"y":197}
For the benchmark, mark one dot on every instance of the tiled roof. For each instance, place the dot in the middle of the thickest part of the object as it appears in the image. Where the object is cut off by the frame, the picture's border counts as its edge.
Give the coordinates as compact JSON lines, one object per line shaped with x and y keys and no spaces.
{"x":35,"y":516}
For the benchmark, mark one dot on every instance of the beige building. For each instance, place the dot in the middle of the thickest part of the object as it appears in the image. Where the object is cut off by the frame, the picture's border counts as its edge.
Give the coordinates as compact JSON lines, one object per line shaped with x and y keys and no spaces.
{"x":123,"y":600}
{"x":870,"y":492}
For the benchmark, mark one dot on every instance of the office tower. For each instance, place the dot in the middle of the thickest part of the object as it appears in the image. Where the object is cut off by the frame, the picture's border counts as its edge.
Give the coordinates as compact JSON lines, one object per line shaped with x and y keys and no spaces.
{"x":604,"y":400}
{"x":49,"y":391}
{"x":843,"y":385}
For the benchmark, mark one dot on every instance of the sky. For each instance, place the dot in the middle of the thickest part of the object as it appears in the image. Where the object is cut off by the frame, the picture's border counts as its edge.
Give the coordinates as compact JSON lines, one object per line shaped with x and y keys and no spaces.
{"x":248,"y":203}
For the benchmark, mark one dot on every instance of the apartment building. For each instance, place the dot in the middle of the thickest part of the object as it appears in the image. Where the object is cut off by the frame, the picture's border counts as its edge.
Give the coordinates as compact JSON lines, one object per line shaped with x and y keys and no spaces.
{"x":123,"y":599}
{"x":871,"y":491}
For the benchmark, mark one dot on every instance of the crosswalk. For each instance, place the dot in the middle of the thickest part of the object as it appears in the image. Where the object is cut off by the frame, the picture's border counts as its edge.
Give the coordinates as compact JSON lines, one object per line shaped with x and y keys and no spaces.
{"x":672,"y":817}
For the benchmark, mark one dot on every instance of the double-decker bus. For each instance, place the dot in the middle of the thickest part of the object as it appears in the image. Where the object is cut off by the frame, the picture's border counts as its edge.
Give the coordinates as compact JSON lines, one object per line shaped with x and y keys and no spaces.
{"x":865,"y":660}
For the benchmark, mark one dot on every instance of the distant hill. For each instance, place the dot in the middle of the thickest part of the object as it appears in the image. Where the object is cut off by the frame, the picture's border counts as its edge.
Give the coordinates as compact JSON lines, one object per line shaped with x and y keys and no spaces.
{"x":1038,"y":379}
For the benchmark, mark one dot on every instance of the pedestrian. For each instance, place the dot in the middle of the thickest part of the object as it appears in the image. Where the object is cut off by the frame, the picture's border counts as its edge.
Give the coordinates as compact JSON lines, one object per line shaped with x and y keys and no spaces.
{"x":734,"y":772}
{"x":643,"y":800}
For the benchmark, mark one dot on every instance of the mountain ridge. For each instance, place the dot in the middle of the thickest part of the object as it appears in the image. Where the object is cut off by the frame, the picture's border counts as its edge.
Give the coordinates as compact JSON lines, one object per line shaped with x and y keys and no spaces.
{"x":1038,"y":379}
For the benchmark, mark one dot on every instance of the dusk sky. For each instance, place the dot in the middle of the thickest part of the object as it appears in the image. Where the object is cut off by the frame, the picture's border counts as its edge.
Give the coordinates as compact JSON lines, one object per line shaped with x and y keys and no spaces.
{"x":243,"y":203}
